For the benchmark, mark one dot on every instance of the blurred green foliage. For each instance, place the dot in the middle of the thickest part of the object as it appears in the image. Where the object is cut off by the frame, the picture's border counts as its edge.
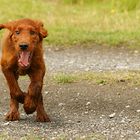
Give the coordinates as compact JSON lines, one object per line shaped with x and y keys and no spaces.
{"x":123,"y":5}
{"x":126,"y":5}
{"x":79,"y":1}
{"x":76,"y":22}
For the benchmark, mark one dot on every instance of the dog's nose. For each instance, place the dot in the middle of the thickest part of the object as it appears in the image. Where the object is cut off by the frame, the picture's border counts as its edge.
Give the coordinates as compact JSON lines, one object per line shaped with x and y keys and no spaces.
{"x":23,"y":46}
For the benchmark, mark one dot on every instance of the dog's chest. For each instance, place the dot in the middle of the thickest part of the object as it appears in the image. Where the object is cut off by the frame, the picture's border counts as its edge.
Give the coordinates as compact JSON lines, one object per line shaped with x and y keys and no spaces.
{"x":21,"y":71}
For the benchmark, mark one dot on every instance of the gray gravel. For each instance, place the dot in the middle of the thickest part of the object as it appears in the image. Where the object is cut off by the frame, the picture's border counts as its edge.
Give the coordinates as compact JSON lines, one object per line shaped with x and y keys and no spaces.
{"x":92,"y":59}
{"x":80,"y":110}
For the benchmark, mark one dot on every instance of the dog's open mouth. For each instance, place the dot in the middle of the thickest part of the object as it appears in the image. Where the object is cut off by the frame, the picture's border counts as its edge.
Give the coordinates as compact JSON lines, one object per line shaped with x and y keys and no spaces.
{"x":24,"y":58}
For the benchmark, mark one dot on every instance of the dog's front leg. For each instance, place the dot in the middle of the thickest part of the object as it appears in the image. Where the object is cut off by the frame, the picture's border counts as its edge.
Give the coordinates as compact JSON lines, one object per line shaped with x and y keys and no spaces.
{"x":15,"y":90}
{"x":32,"y":97}
{"x":34,"y":91}
{"x":13,"y":114}
{"x":33,"y":100}
{"x":15,"y":93}
{"x":41,"y":114}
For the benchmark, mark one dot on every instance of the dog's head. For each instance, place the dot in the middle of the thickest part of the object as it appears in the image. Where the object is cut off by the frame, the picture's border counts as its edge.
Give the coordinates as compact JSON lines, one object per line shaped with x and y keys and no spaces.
{"x":25,"y":35}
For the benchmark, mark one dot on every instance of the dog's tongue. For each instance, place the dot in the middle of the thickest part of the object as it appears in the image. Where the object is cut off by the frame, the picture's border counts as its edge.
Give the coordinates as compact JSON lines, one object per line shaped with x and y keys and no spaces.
{"x":24,"y":58}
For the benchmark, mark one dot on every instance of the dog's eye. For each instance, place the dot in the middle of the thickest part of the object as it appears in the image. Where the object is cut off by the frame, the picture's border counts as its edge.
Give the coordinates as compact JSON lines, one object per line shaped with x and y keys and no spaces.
{"x":32,"y":32}
{"x":17,"y":32}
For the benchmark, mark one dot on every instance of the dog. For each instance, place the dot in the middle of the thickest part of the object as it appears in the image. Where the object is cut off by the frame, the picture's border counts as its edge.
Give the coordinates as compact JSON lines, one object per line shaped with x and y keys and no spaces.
{"x":22,"y":54}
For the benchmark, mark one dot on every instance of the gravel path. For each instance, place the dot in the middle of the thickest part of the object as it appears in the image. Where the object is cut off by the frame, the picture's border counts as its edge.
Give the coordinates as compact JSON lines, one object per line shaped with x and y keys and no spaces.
{"x":89,"y":59}
{"x":80,"y":110}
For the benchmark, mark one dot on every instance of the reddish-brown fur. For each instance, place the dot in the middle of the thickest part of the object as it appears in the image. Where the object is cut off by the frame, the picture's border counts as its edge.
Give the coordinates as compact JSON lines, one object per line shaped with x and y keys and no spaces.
{"x":30,"y":32}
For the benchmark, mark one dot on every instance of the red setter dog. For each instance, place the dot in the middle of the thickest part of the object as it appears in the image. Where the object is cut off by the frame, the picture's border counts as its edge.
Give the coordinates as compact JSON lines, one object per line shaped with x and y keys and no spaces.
{"x":22,"y":54}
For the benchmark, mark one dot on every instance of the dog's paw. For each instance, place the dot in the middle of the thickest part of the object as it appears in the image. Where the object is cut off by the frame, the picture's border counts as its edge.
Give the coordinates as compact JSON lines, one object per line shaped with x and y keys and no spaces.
{"x":43,"y":118}
{"x":30,"y":105}
{"x":12,"y":116}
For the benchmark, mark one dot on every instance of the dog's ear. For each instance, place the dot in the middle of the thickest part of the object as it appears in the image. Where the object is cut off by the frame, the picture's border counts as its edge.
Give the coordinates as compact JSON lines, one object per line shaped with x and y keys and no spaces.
{"x":43,"y":32}
{"x":2,"y":26}
{"x":9,"y":26}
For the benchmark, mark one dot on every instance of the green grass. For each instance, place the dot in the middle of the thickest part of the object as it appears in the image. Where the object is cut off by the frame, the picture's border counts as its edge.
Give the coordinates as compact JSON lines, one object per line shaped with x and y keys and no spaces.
{"x":74,"y":22}
{"x":99,"y":78}
{"x":126,"y":5}
{"x":64,"y":78}
{"x":6,"y":136}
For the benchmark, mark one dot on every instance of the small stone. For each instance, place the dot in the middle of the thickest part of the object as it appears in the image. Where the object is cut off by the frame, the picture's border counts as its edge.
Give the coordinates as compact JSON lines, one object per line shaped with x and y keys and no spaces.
{"x":55,"y":132}
{"x":4,"y":90}
{"x":118,"y":93}
{"x":78,"y":94}
{"x":127,"y":106}
{"x":46,"y":92}
{"x":112,"y":115}
{"x":61,"y":104}
{"x":23,"y":114}
{"x":138,"y":110}
{"x":137,"y":132}
{"x":69,"y":121}
{"x":123,"y":120}
{"x":88,"y":103}
{"x":7,"y":123}
{"x":86,"y":112}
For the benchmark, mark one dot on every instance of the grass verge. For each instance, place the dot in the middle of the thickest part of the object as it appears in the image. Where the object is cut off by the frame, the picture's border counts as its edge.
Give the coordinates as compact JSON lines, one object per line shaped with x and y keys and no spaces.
{"x":6,"y":136}
{"x":128,"y":77}
{"x":75,"y":23}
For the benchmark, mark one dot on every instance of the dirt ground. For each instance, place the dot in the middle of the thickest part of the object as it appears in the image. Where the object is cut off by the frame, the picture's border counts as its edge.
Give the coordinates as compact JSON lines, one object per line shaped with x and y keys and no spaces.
{"x":80,"y":110}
